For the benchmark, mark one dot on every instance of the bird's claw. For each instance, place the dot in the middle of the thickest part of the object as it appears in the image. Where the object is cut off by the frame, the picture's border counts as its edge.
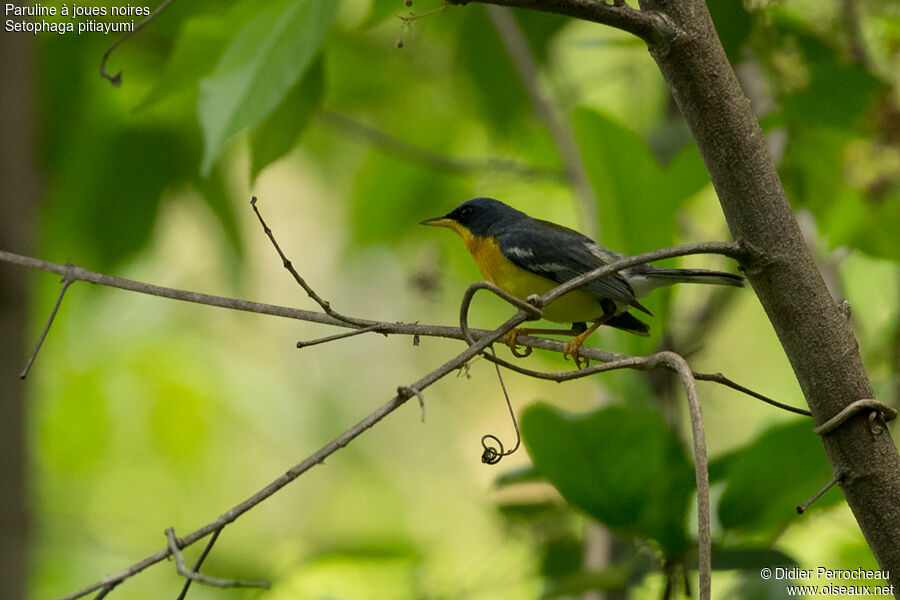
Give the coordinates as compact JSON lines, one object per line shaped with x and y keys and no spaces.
{"x":571,"y":349}
{"x":510,"y":340}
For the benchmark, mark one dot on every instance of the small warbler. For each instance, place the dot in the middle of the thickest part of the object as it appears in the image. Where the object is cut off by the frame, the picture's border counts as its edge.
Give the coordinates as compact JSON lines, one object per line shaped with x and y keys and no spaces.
{"x":526,"y":256}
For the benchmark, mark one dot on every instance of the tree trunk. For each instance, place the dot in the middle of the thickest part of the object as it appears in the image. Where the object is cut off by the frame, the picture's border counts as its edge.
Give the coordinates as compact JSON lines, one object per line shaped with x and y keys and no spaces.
{"x":18,"y":191}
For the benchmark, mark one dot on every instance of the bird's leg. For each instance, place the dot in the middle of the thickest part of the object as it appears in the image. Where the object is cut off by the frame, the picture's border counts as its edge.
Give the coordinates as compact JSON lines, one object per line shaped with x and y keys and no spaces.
{"x":510,"y":337}
{"x":572,"y":346}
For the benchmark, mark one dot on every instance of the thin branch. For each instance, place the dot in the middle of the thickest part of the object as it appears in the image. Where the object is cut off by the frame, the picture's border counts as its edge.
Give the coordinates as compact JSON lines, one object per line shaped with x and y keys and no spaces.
{"x":528,"y":310}
{"x":721,"y":379}
{"x":79,"y":274}
{"x":312,"y":460}
{"x":701,"y":469}
{"x":408,"y":20}
{"x":448,"y":164}
{"x":668,"y":359}
{"x":734,"y":250}
{"x":492,"y":455}
{"x":66,"y":282}
{"x":326,"y":306}
{"x":116,"y":80}
{"x":106,"y":590}
{"x":527,"y":68}
{"x":802,"y":508}
{"x":887,"y":413}
{"x":199,"y":563}
{"x":651,"y":26}
{"x":396,"y":328}
{"x":610,"y":357}
{"x":852,"y":21}
{"x":338,"y":336}
{"x":192,"y":575}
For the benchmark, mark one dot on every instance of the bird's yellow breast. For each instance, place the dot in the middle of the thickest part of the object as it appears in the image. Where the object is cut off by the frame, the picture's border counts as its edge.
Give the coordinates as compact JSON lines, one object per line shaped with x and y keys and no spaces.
{"x":578,"y":306}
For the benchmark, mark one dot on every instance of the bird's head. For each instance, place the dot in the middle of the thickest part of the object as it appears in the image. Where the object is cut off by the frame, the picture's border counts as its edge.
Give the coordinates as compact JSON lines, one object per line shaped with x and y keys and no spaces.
{"x":479,"y":217}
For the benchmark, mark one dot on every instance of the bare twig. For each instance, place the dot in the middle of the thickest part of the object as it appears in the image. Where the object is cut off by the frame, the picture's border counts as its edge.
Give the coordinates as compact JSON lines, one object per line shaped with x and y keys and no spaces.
{"x":676,"y":363}
{"x":802,"y":508}
{"x":592,"y":353}
{"x":106,"y":590}
{"x":648,"y":25}
{"x":887,"y":413}
{"x":492,"y":455}
{"x":408,"y":20}
{"x":338,"y":336}
{"x":199,"y":563}
{"x":312,"y":460}
{"x":407,"y":392}
{"x":563,"y":137}
{"x":116,"y":80}
{"x":326,"y":306}
{"x":66,"y":282}
{"x":701,"y":469}
{"x":397,"y":328}
{"x":192,"y":575}
{"x":654,"y":361}
{"x":528,"y":310}
{"x":721,"y":379}
{"x":398,"y":147}
{"x":856,"y":40}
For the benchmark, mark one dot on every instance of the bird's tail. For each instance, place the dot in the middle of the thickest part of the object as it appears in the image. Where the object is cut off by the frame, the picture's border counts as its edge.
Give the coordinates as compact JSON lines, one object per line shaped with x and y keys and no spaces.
{"x":628,"y":322}
{"x":696,"y":276}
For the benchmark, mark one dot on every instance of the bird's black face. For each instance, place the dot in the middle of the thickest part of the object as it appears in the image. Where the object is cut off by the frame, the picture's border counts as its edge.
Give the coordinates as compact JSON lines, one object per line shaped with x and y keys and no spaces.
{"x":479,"y":216}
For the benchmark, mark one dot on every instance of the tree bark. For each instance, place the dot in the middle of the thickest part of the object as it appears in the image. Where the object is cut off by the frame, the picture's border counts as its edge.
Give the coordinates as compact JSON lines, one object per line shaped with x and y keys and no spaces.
{"x":816,"y":335}
{"x":18,"y":189}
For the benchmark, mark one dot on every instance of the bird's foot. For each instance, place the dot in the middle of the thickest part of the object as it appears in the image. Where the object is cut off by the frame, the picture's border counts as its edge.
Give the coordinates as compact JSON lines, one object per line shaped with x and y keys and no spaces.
{"x":510,"y":340}
{"x":571,"y":349}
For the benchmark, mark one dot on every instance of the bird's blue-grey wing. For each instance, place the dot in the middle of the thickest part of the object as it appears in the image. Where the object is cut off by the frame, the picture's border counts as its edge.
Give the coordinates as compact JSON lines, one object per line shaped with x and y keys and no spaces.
{"x":561,"y":254}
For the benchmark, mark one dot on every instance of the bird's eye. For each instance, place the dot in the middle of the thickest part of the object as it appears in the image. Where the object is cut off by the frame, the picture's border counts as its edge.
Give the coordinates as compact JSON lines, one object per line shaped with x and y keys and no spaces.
{"x":466,"y":211}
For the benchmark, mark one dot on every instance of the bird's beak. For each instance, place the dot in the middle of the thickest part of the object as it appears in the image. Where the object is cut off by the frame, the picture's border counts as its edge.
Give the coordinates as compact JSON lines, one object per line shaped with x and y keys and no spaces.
{"x":439,"y":222}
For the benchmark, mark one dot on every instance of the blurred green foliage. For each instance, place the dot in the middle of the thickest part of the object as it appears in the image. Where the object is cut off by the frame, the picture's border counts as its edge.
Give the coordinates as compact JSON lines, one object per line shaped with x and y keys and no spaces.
{"x":643,"y":492}
{"x":220,"y":99}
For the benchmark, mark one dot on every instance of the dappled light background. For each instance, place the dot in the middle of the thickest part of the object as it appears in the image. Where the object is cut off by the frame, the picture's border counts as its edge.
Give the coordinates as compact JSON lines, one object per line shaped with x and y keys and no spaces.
{"x":145,"y":413}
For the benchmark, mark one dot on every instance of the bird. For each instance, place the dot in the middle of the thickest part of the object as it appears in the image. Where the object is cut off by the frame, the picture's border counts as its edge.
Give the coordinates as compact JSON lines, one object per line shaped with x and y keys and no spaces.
{"x":526,"y":256}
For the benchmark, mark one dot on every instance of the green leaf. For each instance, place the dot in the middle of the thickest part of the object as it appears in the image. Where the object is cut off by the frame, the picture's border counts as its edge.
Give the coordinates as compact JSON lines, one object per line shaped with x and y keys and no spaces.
{"x":771,"y":476}
{"x":382,"y":9}
{"x":577,"y":584}
{"x":562,"y":555}
{"x":637,"y":197}
{"x":196,"y":50}
{"x":832,"y":91}
{"x":258,"y":68}
{"x":624,"y":467}
{"x":539,"y":29}
{"x":390,"y":193}
{"x":733,"y":24}
{"x":112,"y":211}
{"x":194,"y":54}
{"x":846,"y":212}
{"x":282,"y":128}
{"x":860,"y":223}
{"x":215,"y":195}
{"x":500,"y":93}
